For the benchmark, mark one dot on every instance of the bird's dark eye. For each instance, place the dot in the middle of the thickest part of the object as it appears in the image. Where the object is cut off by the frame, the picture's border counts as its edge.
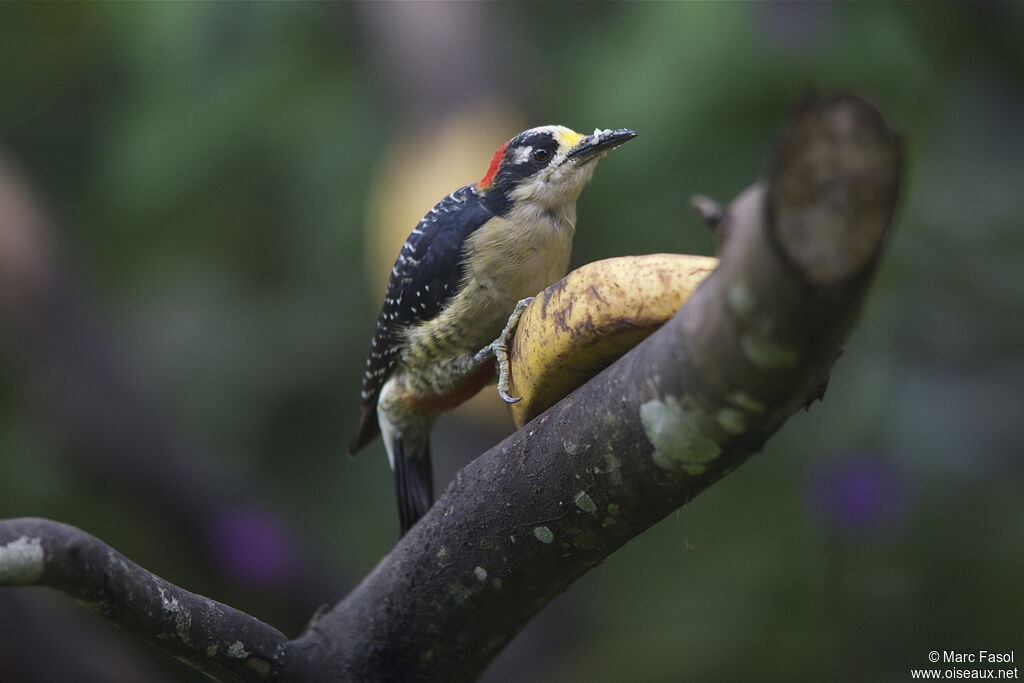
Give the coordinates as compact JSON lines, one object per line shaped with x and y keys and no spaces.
{"x":541,"y":154}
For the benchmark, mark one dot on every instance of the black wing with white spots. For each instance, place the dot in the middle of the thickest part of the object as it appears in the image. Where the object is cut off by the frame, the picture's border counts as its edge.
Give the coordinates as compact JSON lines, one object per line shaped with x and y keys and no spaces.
{"x":426,"y":275}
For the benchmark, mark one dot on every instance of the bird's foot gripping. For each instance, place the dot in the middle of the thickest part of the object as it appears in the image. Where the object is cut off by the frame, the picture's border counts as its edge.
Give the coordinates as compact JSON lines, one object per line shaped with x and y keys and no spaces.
{"x":501,"y":350}
{"x":498,"y":349}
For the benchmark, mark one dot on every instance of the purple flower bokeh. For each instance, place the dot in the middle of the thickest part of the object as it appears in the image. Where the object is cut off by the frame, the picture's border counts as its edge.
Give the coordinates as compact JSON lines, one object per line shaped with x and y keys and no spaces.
{"x":858,"y":493}
{"x":253,"y":545}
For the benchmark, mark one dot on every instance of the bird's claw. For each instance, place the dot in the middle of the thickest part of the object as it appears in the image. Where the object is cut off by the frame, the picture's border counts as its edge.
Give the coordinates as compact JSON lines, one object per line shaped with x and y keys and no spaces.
{"x":500,"y":349}
{"x":506,"y":398}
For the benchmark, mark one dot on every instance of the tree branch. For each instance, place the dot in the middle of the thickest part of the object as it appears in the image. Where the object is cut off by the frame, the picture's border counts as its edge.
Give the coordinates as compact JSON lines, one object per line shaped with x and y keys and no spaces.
{"x":523,"y":521}
{"x":219,"y":640}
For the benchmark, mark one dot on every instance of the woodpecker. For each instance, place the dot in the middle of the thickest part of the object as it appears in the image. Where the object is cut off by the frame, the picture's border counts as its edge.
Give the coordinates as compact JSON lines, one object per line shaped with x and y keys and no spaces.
{"x":458,"y":278}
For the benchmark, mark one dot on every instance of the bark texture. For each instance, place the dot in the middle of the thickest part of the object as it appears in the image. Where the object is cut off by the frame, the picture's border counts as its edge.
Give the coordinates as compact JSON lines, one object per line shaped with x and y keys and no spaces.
{"x":219,"y":640}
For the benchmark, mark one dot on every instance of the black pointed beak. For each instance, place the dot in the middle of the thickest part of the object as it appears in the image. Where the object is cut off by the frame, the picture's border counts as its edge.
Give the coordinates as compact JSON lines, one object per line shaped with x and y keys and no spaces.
{"x":601,"y":141}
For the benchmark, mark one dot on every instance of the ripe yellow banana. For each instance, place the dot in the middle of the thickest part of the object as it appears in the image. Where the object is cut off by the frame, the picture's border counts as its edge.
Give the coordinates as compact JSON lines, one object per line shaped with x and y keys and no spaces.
{"x":579,"y":325}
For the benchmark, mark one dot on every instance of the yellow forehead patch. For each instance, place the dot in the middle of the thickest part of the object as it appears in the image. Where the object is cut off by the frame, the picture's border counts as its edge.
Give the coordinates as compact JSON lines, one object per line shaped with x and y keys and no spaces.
{"x":568,"y":138}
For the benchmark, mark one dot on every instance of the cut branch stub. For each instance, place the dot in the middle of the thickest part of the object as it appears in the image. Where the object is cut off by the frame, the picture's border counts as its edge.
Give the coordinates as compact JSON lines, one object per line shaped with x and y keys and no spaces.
{"x":836,"y":171}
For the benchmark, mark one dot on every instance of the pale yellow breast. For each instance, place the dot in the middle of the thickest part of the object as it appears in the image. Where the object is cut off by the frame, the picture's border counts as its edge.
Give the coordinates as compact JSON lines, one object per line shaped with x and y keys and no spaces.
{"x":522,"y":254}
{"x":508,"y":259}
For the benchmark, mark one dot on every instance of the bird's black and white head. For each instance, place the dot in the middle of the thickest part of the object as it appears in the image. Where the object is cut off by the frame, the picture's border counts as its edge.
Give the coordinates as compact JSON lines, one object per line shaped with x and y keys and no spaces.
{"x":546,"y":166}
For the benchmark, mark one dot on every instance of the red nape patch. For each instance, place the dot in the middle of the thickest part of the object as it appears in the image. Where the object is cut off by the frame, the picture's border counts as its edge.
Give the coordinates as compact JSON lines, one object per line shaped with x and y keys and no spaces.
{"x":492,"y":170}
{"x":466,"y":389}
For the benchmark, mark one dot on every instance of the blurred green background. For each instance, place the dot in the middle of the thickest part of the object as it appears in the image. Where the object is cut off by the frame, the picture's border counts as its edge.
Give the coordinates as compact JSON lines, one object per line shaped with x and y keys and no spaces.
{"x":208,"y":168}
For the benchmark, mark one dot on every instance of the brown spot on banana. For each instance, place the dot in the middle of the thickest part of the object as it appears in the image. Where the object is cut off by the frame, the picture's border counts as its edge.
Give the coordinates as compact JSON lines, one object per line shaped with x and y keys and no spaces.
{"x":548,"y":293}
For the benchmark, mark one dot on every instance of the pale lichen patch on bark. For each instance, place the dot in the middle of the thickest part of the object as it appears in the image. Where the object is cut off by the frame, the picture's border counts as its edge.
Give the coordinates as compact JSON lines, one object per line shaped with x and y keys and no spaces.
{"x":732,"y":420}
{"x":237,"y":650}
{"x":21,"y":561}
{"x":182,"y":618}
{"x":675,"y":433}
{"x":767,"y":354}
{"x":741,"y":299}
{"x":744,"y":400}
{"x":585,"y":502}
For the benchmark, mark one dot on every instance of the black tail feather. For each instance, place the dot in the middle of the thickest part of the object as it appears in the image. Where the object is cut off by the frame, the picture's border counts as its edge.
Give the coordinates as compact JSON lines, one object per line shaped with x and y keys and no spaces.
{"x":414,"y":483}
{"x":367,"y":429}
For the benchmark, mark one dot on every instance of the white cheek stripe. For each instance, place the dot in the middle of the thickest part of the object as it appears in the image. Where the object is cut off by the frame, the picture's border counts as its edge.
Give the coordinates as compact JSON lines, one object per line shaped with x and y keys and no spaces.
{"x":522,"y":155}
